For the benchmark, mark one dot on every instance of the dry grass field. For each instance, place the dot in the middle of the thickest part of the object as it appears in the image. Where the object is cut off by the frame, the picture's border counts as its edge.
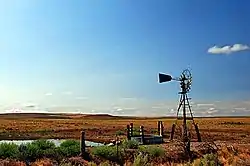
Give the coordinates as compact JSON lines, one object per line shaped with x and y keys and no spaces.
{"x":103,"y":128}
{"x":229,"y":134}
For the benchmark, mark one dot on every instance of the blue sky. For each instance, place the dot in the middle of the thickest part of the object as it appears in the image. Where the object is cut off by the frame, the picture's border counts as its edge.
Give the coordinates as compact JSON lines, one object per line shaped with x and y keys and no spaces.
{"x":95,"y":55}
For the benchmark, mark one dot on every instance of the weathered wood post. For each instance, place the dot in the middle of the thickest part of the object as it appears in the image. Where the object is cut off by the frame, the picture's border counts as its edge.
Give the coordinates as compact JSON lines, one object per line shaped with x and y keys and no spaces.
{"x":82,"y":144}
{"x":158,"y":124}
{"x":117,"y":151}
{"x":161,"y":129}
{"x":142,"y":134}
{"x":131,"y":129}
{"x":128,"y":133}
{"x":172,"y":132}
{"x":197,"y":132}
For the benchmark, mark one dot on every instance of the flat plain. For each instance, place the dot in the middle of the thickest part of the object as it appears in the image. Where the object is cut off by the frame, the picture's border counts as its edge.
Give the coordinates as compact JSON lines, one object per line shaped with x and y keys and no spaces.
{"x":103,"y":128}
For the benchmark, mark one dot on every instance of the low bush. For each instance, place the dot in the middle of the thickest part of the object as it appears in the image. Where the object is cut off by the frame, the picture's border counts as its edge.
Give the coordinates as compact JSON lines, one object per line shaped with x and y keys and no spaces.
{"x":210,"y":160}
{"x":110,"y":153}
{"x":130,"y":144}
{"x":206,"y":160}
{"x":69,"y":148}
{"x":40,"y":149}
{"x":141,"y":160}
{"x":152,"y":151}
{"x":9,"y":150}
{"x":106,"y":152}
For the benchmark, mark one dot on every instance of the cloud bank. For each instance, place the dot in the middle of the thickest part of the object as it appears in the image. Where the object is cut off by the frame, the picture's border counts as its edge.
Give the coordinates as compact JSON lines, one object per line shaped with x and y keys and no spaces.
{"x":140,"y":107}
{"x":228,"y":49}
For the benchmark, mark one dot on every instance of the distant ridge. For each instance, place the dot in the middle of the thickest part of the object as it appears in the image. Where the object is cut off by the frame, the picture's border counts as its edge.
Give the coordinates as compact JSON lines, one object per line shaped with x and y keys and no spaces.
{"x":89,"y":116}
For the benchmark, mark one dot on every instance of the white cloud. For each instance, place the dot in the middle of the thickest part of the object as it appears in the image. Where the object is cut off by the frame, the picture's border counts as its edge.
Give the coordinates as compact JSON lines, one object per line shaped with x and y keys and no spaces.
{"x":240,"y":109}
{"x":228,"y":49}
{"x":144,"y":107}
{"x":81,"y":98}
{"x":129,"y":99}
{"x":67,"y":93}
{"x":210,"y":111}
{"x":172,"y":110}
{"x":205,"y":105}
{"x":29,"y":105}
{"x":48,"y":94}
{"x":119,"y":109}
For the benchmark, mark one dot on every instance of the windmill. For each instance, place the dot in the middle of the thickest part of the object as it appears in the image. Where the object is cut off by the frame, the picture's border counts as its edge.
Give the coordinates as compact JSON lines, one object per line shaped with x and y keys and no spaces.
{"x":185,"y":81}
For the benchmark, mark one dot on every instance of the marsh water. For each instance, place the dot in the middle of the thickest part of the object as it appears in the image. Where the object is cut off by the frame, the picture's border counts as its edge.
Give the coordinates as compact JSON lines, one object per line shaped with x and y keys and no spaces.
{"x":57,"y":142}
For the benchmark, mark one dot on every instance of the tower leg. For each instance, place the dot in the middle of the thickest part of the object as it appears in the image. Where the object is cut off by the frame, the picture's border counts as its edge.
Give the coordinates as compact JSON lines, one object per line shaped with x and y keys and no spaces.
{"x":173,"y":126}
{"x":185,"y":137}
{"x":195,"y":124}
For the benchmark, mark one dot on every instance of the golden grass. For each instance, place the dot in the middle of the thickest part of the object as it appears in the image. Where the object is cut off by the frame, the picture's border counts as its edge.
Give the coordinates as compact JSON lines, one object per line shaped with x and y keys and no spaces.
{"x":104,"y":127}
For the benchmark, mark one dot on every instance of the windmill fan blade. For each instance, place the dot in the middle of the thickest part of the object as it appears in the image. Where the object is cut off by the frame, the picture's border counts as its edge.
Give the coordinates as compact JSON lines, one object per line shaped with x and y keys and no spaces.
{"x":164,"y":78}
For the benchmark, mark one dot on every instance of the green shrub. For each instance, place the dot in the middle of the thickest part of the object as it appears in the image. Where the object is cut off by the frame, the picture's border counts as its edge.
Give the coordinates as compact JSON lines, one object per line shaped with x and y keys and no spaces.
{"x":106,"y":152}
{"x":209,"y":160}
{"x":39,"y":149}
{"x":9,"y":150}
{"x":69,"y":148}
{"x":152,"y":151}
{"x":141,"y":160}
{"x":130,"y":144}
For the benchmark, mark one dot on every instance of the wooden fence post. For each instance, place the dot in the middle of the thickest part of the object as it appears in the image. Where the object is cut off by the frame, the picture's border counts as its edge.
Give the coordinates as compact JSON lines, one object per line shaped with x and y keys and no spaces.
{"x":128,"y":133}
{"x":142,"y":134}
{"x":131,"y":129}
{"x":172,"y":132}
{"x":161,"y":129}
{"x":158,"y":124}
{"x":197,"y":132}
{"x":82,"y":142}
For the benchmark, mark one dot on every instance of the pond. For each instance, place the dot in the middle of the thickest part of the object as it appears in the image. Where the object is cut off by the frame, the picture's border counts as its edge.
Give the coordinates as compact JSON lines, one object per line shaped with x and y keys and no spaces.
{"x":57,"y":142}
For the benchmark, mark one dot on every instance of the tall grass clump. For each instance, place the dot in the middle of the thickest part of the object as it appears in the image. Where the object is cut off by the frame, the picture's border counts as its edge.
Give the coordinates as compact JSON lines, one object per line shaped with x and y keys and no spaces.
{"x":210,"y":160}
{"x":206,"y":160}
{"x":9,"y":150}
{"x":141,"y":160}
{"x":130,"y":144}
{"x":106,"y":152}
{"x":69,"y":148}
{"x":110,"y":153}
{"x":40,"y":149}
{"x":152,"y":151}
